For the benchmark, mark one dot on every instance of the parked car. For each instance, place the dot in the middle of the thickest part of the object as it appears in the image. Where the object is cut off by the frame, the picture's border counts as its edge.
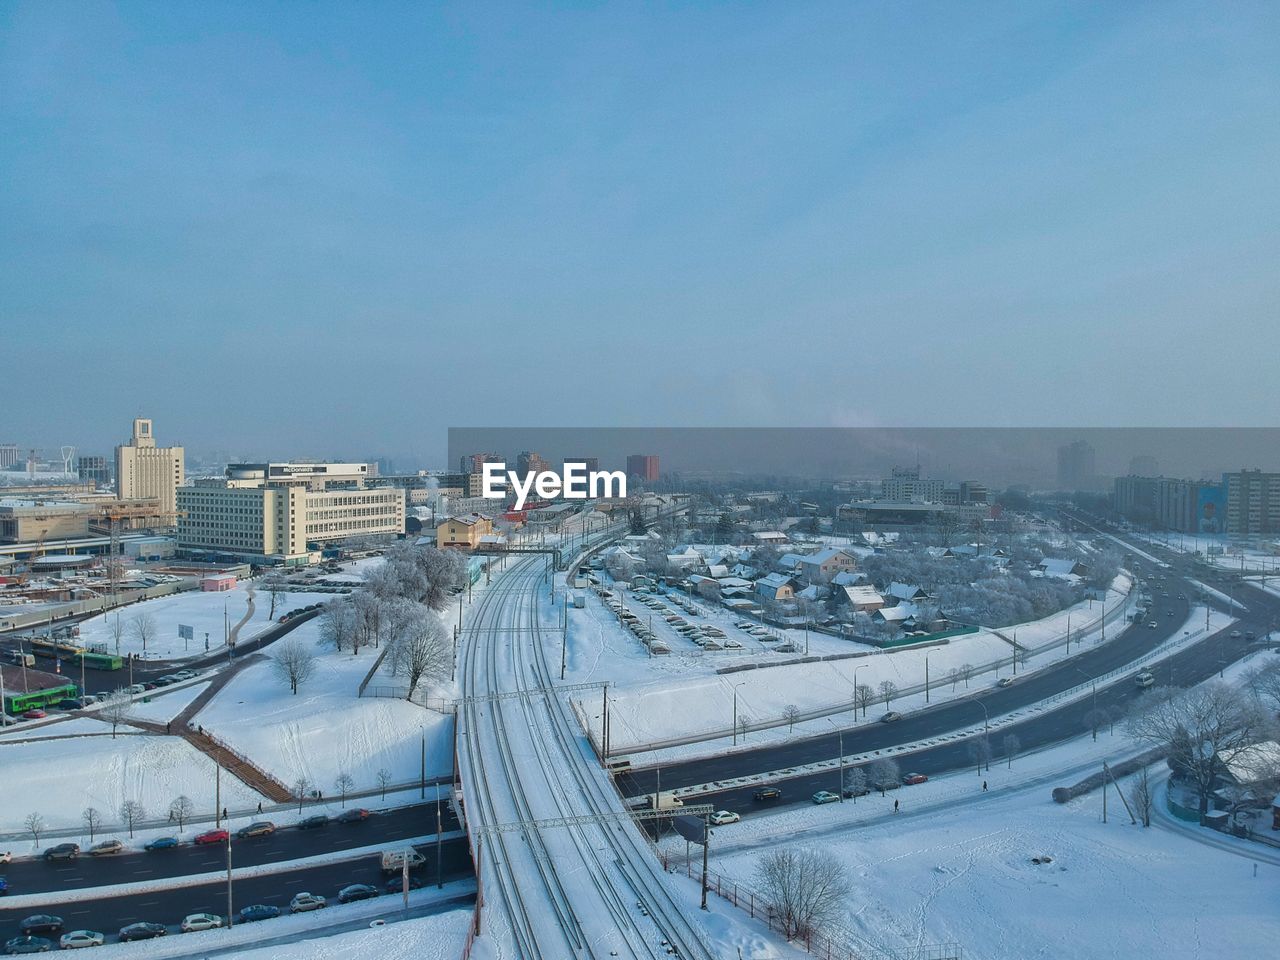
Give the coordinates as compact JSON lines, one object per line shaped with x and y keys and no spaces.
{"x":354,"y":815}
{"x":396,"y":884}
{"x":34,"y":714}
{"x":262,"y":828}
{"x":310,"y":823}
{"x":161,"y":843}
{"x":258,"y":911}
{"x":200,"y":921}
{"x":28,"y":945}
{"x":81,"y":938}
{"x":356,"y":891}
{"x":913,"y":778}
{"x":40,"y":923}
{"x":6,"y":856}
{"x":136,"y":689}
{"x":70,"y":703}
{"x":142,"y":931}
{"x":63,"y":851}
{"x":106,"y":848}
{"x":1005,"y":682}
{"x":824,"y":796}
{"x":303,"y":902}
{"x":211,"y":836}
{"x":4,"y":885}
{"x":767,"y":793}
{"x":891,"y":717}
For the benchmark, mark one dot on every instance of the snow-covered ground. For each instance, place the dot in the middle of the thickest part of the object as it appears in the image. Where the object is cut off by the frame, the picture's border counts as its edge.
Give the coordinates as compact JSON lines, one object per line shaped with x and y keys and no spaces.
{"x":679,"y":696}
{"x":60,"y":778}
{"x":166,"y":703}
{"x":212,"y":613}
{"x":1252,"y":556}
{"x":326,"y":729}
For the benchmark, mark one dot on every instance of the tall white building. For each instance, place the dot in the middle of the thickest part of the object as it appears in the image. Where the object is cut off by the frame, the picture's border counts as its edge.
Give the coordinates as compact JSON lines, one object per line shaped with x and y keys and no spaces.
{"x":907,"y":486}
{"x":147,"y":472}
{"x":281,"y":512}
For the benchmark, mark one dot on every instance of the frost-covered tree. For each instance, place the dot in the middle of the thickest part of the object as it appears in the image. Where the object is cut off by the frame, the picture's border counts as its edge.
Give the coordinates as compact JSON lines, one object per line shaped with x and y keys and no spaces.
{"x":804,"y":888}
{"x":884,"y":774}
{"x":294,"y":663}
{"x":855,"y":782}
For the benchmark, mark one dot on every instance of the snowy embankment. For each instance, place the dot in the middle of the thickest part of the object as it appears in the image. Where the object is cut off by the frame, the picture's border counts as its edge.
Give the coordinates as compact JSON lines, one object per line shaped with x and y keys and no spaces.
{"x":59,"y":778}
{"x":651,"y":713}
{"x":326,"y":729}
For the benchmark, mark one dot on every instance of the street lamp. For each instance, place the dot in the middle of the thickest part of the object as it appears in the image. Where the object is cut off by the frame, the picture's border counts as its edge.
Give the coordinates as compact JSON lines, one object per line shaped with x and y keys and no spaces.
{"x":986,"y":717}
{"x":926,"y":673}
{"x":735,"y":711}
{"x":840,"y":734}
{"x":855,"y":689}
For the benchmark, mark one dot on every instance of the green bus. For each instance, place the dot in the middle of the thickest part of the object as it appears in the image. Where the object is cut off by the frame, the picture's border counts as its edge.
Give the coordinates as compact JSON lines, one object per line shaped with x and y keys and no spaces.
{"x":16,"y":703}
{"x":100,"y":661}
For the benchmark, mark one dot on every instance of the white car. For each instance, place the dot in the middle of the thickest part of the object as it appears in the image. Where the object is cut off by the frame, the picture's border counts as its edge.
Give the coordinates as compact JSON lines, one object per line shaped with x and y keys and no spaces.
{"x":6,"y":857}
{"x":303,"y":902}
{"x":722,"y":817}
{"x":81,"y":938}
{"x":200,"y":921}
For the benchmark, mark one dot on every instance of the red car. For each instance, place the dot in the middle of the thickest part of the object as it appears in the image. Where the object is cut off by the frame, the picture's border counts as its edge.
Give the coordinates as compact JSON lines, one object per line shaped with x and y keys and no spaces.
{"x":34,"y":715}
{"x":211,"y":836}
{"x":911,"y":778}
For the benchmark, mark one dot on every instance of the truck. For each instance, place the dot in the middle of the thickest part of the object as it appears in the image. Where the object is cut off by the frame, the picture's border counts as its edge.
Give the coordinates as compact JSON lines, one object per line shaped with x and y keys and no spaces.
{"x":393,"y":861}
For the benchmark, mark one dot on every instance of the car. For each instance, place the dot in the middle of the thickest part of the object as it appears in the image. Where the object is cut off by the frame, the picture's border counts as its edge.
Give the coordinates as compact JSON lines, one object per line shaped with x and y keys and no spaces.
{"x":891,"y":717}
{"x":1145,"y":679}
{"x":824,"y":796}
{"x":310,"y":823}
{"x":4,"y":885}
{"x":354,"y":815}
{"x":136,"y":689}
{"x":258,"y":911}
{"x":106,"y":848}
{"x":302,"y":902}
{"x":356,"y":891}
{"x":1250,"y":635}
{"x":34,"y":714}
{"x":165,"y":681}
{"x":767,"y":793}
{"x":396,"y":884}
{"x":913,"y":778}
{"x":6,"y":856}
{"x":1235,"y":634}
{"x":63,"y":851}
{"x":81,"y":938}
{"x":1152,"y":624}
{"x":261,"y":828}
{"x":200,"y":921}
{"x":161,"y":843}
{"x":70,"y":703}
{"x":40,"y":923}
{"x":851,"y":794}
{"x":142,"y":930}
{"x":722,"y":817}
{"x":28,"y":945}
{"x":211,"y":836}
{"x":1005,"y":682}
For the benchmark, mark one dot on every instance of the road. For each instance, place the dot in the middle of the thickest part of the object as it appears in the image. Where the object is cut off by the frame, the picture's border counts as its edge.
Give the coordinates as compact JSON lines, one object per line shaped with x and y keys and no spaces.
{"x":1188,"y":666}
{"x":37,"y":876}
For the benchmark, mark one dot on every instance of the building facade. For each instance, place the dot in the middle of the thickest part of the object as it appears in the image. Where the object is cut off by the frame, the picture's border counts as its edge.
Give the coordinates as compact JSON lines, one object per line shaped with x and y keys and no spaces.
{"x":463,"y":532}
{"x":29,"y":521}
{"x":1253,"y":502}
{"x":8,"y":455}
{"x":95,"y":470}
{"x":643,"y":466}
{"x":905,"y":485}
{"x":147,"y":472}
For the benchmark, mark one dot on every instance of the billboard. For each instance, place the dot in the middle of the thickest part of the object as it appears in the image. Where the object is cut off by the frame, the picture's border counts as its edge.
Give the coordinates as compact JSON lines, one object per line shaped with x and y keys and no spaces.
{"x":1211,"y":509}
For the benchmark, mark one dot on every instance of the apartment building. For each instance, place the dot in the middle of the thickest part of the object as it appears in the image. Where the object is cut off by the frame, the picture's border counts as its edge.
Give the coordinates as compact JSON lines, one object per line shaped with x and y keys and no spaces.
{"x":1253,"y":502}
{"x":147,"y":472}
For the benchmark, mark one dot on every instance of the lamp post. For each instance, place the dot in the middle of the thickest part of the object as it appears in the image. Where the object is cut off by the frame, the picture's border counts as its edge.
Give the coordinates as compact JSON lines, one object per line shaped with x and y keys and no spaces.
{"x":986,"y":717}
{"x":926,"y":673}
{"x":855,"y":689}
{"x":735,"y":711}
{"x":840,"y":735}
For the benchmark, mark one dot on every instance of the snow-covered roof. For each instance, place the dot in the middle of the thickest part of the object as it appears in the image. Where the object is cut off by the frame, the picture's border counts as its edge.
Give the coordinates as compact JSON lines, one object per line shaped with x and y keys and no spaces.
{"x":1060,"y":567}
{"x":774,"y":581}
{"x":790,"y":560}
{"x":770,"y":536}
{"x":822,"y":556}
{"x":905,"y":591}
{"x":903,"y":611}
{"x":717,"y":570}
{"x":847,"y":578}
{"x":862,"y":594}
{"x":1256,"y":762}
{"x":812,"y":592}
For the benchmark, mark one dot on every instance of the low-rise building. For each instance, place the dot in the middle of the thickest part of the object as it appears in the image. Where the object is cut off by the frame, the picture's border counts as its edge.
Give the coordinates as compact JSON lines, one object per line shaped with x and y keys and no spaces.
{"x":465,"y":532}
{"x":23,"y":521}
{"x":822,"y":567}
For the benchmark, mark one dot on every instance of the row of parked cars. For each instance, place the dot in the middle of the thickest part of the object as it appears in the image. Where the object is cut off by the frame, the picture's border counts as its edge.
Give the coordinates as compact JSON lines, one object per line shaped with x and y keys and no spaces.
{"x":35,"y":931}
{"x":259,"y":828}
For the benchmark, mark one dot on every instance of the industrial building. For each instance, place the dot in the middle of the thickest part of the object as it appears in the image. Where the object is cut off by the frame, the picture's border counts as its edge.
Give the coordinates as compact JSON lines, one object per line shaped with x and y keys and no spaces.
{"x":39,"y":520}
{"x":273,"y":513}
{"x":145,"y":471}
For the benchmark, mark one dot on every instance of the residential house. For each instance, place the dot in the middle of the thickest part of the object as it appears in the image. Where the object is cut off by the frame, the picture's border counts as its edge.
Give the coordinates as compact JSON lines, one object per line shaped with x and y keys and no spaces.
{"x":463,"y":532}
{"x":906,"y":592}
{"x":776,"y":587}
{"x":1063,"y":569}
{"x":861,"y":598}
{"x":820,"y":567}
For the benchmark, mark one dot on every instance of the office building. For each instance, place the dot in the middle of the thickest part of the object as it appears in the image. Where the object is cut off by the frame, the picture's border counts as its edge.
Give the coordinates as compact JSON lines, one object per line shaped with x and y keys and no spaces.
{"x":8,"y":455}
{"x":147,"y":472}
{"x":95,"y":470}
{"x":905,"y":485}
{"x":643,"y":467}
{"x":474,"y":463}
{"x":1077,"y":468}
{"x":285,"y":512}
{"x":1252,"y":502}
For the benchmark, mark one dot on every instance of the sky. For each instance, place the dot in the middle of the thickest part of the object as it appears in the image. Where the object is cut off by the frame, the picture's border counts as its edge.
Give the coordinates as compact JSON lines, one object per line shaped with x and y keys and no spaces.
{"x":311,"y":229}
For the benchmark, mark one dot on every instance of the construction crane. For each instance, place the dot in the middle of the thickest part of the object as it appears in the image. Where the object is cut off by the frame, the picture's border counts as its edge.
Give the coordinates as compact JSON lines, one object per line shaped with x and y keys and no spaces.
{"x":114,"y":513}
{"x":35,"y":555}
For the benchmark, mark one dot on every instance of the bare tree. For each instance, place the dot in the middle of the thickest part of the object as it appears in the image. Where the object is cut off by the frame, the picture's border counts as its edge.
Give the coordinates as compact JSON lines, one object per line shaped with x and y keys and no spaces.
{"x":92,"y":818}
{"x":301,"y":787}
{"x":744,"y":724}
{"x":1264,"y":683}
{"x":142,"y":626}
{"x":791,"y":713}
{"x":294,"y":663}
{"x":885,"y":774}
{"x":423,"y":649}
{"x":1011,"y":747}
{"x":343,"y":784}
{"x":338,"y":624}
{"x":115,"y":626}
{"x":383,"y":777}
{"x":132,"y":812}
{"x":116,"y":709}
{"x":954,"y":676}
{"x":34,"y":823}
{"x":855,"y":782}
{"x":275,"y":585}
{"x":1201,"y":728}
{"x":804,"y":888}
{"x":863,"y":696}
{"x":980,"y":753}
{"x":966,"y":671}
{"x":1142,"y":796}
{"x":180,"y":810}
{"x":888,"y":690}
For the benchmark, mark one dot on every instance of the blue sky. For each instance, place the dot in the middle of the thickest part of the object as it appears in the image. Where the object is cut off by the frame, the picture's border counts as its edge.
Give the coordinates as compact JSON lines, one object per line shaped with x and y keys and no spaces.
{"x":308,"y":229}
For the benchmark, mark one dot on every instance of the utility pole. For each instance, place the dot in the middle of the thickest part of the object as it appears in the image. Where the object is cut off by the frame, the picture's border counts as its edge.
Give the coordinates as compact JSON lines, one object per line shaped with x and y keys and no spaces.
{"x":604,"y":743}
{"x":230,"y":917}
{"x":439,"y":831}
{"x":706,"y":842}
{"x":926,"y":673}
{"x":422,"y":776}
{"x":217,"y":794}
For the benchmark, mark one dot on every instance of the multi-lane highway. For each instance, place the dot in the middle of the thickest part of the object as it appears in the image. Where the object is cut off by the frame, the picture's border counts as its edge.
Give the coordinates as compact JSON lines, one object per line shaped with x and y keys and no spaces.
{"x":1170,"y":611}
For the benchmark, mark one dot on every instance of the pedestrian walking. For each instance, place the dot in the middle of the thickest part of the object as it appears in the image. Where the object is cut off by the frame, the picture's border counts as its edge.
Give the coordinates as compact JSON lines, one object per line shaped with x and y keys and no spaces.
{"x":259,"y":806}
{"x":224,"y":813}
{"x":895,"y":806}
{"x":171,"y":816}
{"x":984,"y":786}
